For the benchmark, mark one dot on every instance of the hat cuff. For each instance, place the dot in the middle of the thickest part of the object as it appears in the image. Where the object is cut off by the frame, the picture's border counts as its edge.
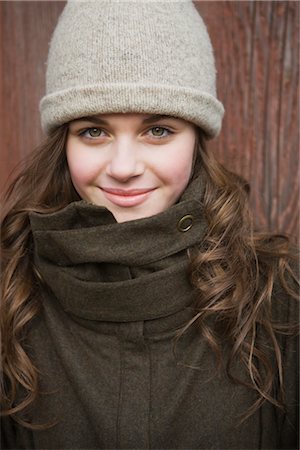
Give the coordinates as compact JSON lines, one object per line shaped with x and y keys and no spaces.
{"x":198,"y":107}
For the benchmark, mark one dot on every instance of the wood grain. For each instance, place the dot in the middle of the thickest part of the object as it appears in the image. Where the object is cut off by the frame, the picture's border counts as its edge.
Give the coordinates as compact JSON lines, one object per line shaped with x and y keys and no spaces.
{"x":257,"y":54}
{"x":26,"y":28}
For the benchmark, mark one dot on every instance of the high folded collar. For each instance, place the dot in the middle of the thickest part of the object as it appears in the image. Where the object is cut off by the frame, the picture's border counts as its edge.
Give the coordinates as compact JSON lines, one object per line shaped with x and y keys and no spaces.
{"x":85,"y":235}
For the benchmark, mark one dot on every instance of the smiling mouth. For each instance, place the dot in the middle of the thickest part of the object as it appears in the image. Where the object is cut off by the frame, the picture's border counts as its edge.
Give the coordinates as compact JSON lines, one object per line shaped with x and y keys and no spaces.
{"x":127,"y":197}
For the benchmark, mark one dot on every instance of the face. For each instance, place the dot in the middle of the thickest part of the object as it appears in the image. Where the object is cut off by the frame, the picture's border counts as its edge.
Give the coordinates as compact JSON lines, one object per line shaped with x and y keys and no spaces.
{"x":136,"y":165}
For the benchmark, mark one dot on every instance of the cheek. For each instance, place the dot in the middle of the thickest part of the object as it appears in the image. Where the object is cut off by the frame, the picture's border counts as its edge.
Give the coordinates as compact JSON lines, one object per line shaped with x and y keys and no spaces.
{"x":178,"y":168}
{"x":182,"y":166}
{"x":82,"y":169}
{"x":180,"y":175}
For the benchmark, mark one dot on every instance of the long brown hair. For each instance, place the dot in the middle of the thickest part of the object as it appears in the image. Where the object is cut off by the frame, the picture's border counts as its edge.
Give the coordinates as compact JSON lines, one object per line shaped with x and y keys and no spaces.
{"x":43,"y":185}
{"x":236,"y":272}
{"x":226,"y":269}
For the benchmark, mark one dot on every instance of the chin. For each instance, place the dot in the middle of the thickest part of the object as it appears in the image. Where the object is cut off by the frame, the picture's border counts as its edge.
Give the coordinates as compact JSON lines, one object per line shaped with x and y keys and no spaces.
{"x":128,"y":216}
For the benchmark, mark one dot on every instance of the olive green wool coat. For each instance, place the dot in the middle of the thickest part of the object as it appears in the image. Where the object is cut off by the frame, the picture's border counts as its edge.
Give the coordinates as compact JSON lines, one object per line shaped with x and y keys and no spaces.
{"x":110,"y":376}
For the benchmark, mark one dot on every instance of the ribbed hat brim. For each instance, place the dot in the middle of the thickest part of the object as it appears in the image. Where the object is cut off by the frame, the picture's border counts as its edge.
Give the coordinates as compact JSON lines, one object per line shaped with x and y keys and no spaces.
{"x":200,"y":108}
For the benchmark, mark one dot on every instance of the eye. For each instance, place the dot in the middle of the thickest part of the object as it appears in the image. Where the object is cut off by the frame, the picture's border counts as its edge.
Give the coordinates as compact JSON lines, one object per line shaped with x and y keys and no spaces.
{"x":160,"y":132}
{"x":91,"y":133}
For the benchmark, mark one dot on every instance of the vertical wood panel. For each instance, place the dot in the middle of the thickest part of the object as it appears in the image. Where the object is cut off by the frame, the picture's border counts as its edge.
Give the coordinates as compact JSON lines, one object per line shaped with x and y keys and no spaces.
{"x":257,"y":52}
{"x":26,"y":27}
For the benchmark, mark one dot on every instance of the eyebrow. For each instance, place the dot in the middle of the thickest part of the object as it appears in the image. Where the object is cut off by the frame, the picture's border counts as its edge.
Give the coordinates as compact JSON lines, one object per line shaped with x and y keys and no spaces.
{"x":98,"y":121}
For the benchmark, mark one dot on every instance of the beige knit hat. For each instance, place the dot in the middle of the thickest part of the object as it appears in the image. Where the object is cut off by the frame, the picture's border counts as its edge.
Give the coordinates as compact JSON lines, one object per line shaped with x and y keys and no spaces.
{"x":142,"y":56}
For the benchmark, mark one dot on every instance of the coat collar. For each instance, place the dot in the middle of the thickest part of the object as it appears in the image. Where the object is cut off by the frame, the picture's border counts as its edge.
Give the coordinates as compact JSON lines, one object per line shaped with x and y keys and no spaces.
{"x":75,"y":244}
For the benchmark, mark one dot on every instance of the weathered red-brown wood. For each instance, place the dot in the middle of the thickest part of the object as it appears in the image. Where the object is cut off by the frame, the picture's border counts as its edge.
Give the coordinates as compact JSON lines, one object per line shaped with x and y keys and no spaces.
{"x":257,"y":53}
{"x":26,"y":28}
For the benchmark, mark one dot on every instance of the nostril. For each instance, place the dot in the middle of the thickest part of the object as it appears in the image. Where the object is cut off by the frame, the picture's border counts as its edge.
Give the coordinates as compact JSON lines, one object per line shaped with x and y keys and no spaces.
{"x":124,"y":167}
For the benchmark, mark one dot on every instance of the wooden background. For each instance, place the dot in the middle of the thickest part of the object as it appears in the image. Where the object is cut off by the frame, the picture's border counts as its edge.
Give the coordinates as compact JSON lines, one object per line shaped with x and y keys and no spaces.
{"x":257,"y":53}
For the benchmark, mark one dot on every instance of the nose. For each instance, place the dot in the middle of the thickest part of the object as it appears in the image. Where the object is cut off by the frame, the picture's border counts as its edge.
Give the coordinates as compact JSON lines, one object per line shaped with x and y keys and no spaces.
{"x":125,"y":161}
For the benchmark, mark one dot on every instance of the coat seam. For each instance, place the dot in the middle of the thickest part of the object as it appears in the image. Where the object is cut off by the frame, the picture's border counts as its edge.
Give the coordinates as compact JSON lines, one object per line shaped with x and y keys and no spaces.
{"x":118,"y":444}
{"x":150,"y":411}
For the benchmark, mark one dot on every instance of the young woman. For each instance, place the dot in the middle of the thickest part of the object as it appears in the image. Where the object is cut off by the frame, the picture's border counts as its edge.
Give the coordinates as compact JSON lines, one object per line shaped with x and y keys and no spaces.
{"x":139,"y":309}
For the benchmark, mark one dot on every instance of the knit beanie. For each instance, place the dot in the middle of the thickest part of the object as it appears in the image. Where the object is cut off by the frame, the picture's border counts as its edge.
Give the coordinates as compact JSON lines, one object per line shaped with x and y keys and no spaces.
{"x":132,"y":56}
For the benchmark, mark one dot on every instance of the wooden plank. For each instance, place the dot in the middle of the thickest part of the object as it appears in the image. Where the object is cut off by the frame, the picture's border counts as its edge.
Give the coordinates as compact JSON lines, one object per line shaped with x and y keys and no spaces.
{"x":26,"y":28}
{"x":257,"y":51}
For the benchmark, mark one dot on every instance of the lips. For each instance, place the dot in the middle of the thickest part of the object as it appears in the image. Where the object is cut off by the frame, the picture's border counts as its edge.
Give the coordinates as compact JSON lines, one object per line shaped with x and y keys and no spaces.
{"x":126,"y":192}
{"x":127,"y":197}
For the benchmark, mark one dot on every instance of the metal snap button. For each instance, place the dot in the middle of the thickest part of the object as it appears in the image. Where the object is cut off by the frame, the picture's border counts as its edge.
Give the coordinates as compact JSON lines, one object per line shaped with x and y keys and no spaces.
{"x":185,"y":223}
